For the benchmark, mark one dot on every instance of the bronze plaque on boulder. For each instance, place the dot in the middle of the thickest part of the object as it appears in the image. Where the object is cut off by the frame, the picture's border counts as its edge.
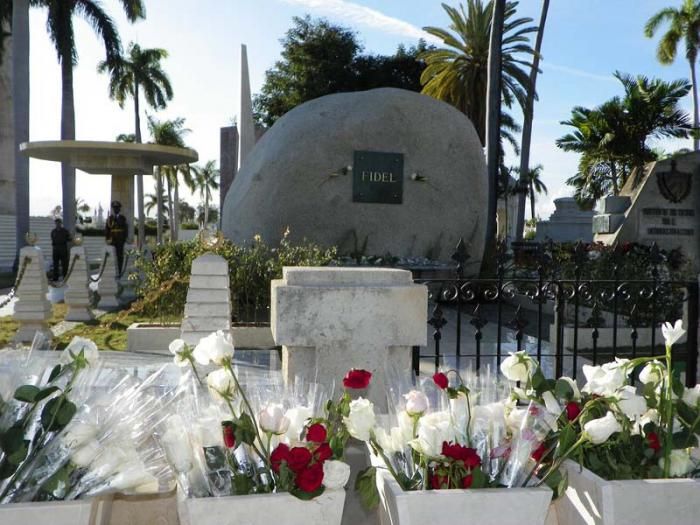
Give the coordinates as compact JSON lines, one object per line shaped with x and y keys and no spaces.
{"x":377,"y":177}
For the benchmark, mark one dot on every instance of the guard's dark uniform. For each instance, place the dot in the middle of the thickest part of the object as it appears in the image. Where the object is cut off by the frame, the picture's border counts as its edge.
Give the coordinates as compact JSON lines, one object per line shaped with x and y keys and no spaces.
{"x":116,"y":232}
{"x":60,"y":237}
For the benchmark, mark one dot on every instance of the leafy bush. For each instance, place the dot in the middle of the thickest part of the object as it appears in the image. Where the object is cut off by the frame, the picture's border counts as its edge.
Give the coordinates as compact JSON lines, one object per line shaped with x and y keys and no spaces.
{"x":189,"y":226}
{"x":163,"y":289}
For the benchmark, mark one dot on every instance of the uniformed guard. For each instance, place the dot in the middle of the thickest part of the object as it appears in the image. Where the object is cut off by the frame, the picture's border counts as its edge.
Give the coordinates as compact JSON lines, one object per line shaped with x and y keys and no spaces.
{"x":116,"y":232}
{"x":60,"y":237}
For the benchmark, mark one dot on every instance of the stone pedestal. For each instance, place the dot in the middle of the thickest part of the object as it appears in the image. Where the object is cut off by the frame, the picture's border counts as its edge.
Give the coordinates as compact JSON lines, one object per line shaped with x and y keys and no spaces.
{"x":107,"y":287}
{"x":32,"y":309}
{"x":208,"y":306}
{"x":332,"y":319}
{"x":77,"y":294}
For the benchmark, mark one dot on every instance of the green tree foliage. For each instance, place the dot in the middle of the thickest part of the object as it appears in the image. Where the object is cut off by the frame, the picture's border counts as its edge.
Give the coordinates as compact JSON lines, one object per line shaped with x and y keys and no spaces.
{"x":613,"y":138}
{"x":457,"y":72}
{"x":319,"y":58}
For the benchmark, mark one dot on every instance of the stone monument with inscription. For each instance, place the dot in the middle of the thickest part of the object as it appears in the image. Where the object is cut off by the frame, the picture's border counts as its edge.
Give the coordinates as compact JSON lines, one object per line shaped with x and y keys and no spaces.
{"x":374,"y":172}
{"x":663,"y":207}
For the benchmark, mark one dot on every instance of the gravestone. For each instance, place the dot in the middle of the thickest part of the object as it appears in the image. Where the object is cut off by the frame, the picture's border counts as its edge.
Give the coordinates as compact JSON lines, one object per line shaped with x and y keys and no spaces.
{"x":107,"y":287}
{"x":208,"y":306}
{"x":329,"y":320}
{"x":662,"y":208}
{"x":77,"y":295}
{"x":373,"y":172}
{"x":32,"y":309}
{"x":568,"y":223}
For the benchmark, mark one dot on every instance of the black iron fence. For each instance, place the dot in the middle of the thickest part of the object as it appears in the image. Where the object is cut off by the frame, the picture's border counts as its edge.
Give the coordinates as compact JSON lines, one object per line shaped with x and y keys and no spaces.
{"x":569,"y":320}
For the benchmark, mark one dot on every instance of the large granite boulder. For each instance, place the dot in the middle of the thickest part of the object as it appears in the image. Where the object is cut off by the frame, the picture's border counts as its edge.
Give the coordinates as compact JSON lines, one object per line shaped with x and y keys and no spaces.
{"x":300,"y":176}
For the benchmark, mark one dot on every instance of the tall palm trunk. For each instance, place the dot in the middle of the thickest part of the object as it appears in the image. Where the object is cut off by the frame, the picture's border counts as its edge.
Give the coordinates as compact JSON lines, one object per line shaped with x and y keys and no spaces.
{"x":206,"y":209}
{"x":175,"y":225}
{"x":170,"y":205}
{"x":493,"y":127}
{"x":527,"y":122}
{"x":532,"y":200}
{"x":20,"y":97}
{"x":139,"y":176}
{"x":696,"y":111}
{"x":159,"y":206}
{"x":68,"y":133}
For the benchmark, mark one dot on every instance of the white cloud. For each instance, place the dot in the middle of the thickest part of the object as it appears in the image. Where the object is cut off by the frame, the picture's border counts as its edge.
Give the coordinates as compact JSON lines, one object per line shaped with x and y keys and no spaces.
{"x":360,"y":15}
{"x":577,"y":72}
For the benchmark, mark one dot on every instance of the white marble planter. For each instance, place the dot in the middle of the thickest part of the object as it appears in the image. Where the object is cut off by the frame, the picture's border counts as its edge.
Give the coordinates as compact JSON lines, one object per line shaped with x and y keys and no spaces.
{"x":517,"y":506}
{"x":263,"y":509}
{"x":591,"y":500}
{"x":149,"y":337}
{"x":88,"y":512}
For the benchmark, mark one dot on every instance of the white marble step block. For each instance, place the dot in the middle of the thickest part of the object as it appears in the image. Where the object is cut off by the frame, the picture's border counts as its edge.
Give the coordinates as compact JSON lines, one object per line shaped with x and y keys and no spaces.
{"x":263,"y":509}
{"x":32,"y":309}
{"x":210,"y":264}
{"x":209,"y":282}
{"x":500,"y":506}
{"x":198,"y":295}
{"x":207,"y":310}
{"x":208,"y":325}
{"x":591,"y":500}
{"x":80,"y":512}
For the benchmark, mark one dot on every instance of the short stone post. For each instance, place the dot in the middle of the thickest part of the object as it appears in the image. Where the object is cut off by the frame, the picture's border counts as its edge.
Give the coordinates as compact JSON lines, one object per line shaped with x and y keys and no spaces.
{"x":127,"y":285}
{"x":32,"y":309}
{"x":329,"y":320}
{"x":208,"y":306}
{"x":77,"y":294}
{"x":107,"y":287}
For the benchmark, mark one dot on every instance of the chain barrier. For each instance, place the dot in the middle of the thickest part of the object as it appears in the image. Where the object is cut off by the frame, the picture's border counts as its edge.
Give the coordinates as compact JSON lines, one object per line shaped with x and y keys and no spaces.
{"x":124,"y":265}
{"x":56,"y":284}
{"x":102,"y":270}
{"x":18,"y":281}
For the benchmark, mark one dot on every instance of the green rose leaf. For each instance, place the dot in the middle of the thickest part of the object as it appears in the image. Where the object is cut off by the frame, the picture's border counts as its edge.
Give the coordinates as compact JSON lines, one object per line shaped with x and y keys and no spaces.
{"x":366,"y":487}
{"x":244,"y":430}
{"x":57,"y":413}
{"x":46,"y":392}
{"x":306,"y":496}
{"x":479,"y":481}
{"x":27,"y":393}
{"x":55,"y":372}
{"x":563,"y":390}
{"x":12,"y":440}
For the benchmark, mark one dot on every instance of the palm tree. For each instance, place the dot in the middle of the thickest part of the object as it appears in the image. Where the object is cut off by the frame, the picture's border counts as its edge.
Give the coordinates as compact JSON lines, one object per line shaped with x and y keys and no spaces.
{"x":533,"y":181}
{"x":165,"y":133}
{"x":139,"y":71}
{"x":457,"y":73}
{"x":684,"y":24}
{"x":172,"y":176}
{"x":60,"y":27}
{"x":20,"y":101}
{"x":206,"y":179}
{"x":528,"y":115}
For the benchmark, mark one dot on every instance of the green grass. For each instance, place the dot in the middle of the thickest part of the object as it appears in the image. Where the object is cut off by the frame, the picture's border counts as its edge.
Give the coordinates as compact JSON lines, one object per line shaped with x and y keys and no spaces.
{"x":108,"y":332}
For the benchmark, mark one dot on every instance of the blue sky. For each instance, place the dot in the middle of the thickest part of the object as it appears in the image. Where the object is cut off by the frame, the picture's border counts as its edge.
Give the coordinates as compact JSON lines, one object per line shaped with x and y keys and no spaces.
{"x":584,"y":42}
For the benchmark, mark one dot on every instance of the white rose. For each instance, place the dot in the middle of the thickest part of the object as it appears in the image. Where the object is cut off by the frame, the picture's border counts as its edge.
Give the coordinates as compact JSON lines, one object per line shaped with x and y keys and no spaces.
{"x":214,"y":348}
{"x":77,"y":345}
{"x":131,"y":475}
{"x":398,"y":437}
{"x":651,"y":373}
{"x":176,"y":444}
{"x":605,"y":380}
{"x":221,"y":383}
{"x":297,"y":416}
{"x":599,"y":430}
{"x":177,"y":347}
{"x":691,"y":396}
{"x":680,"y":463}
{"x":335,"y":474}
{"x":433,"y":430}
{"x":272,"y":419}
{"x":574,"y":387}
{"x":416,"y":403}
{"x":79,"y":433}
{"x":361,"y":418}
{"x":672,"y":333}
{"x":84,"y":455}
{"x":632,"y":405}
{"x":518,"y":366}
{"x":514,"y":419}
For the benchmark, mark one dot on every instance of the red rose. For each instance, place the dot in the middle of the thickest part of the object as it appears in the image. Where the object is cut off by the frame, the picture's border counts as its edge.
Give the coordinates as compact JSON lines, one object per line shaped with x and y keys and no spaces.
{"x":438,"y":482}
{"x":316,"y":433}
{"x":467,"y":481}
{"x":573,"y":409}
{"x":539,"y":452}
{"x":440,"y":380}
{"x":357,"y":379}
{"x":280,"y":454}
{"x":653,"y":441}
{"x":323,"y":452}
{"x":310,"y":479}
{"x":299,"y":458}
{"x":460,"y":453}
{"x":229,"y":437}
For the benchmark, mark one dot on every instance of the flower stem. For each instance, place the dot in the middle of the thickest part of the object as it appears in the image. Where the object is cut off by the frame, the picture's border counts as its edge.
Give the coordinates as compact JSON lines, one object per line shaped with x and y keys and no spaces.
{"x":668,"y":413}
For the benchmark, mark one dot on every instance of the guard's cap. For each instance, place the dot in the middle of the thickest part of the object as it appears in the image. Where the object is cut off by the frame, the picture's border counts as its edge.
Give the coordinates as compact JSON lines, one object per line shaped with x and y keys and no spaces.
{"x":116,"y":204}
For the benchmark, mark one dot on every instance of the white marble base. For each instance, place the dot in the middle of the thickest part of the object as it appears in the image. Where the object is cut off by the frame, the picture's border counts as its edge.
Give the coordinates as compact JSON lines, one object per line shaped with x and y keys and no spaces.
{"x":107,"y":287}
{"x":80,"y":512}
{"x":263,"y":509}
{"x":591,"y":500}
{"x":517,"y":506}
